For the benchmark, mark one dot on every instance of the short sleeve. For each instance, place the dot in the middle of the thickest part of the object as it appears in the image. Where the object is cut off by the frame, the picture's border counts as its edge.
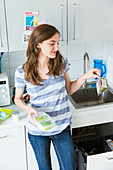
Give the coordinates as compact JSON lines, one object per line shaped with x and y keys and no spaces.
{"x":67,"y":65}
{"x":19,"y":78}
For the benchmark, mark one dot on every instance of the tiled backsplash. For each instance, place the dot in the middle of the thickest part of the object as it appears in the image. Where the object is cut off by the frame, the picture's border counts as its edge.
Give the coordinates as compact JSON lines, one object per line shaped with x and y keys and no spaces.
{"x":102,"y":50}
{"x":95,"y":50}
{"x":10,"y":62}
{"x":108,"y":57}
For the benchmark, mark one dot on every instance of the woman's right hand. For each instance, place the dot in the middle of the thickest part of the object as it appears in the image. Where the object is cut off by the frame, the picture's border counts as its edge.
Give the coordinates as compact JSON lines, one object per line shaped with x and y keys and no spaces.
{"x":31,"y":111}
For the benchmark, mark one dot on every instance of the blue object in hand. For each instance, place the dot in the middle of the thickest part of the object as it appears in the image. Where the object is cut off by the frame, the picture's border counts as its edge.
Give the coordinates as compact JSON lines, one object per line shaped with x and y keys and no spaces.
{"x":100,"y":65}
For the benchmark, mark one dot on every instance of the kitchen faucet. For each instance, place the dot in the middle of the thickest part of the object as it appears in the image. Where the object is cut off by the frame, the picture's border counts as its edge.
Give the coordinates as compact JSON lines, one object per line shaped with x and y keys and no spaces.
{"x":88,"y":66}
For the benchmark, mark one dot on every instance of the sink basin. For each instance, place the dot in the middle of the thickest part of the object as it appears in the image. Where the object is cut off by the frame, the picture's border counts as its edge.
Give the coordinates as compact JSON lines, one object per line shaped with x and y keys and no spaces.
{"x":88,"y":97}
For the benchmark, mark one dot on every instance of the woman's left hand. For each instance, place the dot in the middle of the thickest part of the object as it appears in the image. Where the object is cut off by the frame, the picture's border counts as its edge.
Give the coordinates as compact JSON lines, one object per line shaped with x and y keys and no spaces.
{"x":93,"y":73}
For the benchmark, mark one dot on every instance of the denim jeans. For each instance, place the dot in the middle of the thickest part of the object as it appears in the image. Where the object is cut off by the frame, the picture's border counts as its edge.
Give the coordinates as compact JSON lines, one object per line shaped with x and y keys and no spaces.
{"x":63,"y":146}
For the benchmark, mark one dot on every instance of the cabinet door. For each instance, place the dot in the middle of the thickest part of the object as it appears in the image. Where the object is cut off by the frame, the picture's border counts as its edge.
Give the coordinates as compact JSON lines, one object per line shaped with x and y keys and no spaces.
{"x":102,"y":161}
{"x":53,"y":11}
{"x":12,"y":149}
{"x":90,"y":20}
{"x":74,"y":20}
{"x":54,"y":160}
{"x":3,"y":33}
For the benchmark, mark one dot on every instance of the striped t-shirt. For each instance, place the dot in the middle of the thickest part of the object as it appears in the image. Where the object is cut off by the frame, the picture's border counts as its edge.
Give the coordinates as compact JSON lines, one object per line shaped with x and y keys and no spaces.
{"x":50,"y":98}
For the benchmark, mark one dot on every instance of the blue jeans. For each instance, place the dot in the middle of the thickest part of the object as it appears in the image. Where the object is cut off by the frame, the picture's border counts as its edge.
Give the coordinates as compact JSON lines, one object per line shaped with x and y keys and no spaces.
{"x":64,"y":149}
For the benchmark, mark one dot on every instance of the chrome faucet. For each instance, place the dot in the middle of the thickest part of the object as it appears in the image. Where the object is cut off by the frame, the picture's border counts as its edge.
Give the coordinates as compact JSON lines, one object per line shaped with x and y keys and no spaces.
{"x":88,"y":66}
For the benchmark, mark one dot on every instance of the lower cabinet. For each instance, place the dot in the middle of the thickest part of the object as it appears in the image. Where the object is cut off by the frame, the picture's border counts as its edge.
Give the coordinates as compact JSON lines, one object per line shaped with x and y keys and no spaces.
{"x":32,"y":164}
{"x":16,"y":152}
{"x":92,"y":153}
{"x":55,"y":164}
{"x":92,"y":150}
{"x":13,"y":149}
{"x":102,"y":161}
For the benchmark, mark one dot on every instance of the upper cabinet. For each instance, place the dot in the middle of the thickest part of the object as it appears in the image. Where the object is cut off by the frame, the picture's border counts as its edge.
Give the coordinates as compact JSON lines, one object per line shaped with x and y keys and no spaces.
{"x":77,"y":20}
{"x":53,"y":11}
{"x":90,"y":20}
{"x":3,"y":27}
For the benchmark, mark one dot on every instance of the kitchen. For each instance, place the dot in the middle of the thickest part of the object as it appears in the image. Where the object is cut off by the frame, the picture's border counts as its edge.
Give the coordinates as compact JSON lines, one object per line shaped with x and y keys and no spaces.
{"x":77,"y":29}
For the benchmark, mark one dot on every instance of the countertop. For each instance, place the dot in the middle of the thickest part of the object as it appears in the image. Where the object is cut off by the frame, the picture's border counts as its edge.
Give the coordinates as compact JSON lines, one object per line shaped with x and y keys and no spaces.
{"x":9,"y":123}
{"x":80,"y":118}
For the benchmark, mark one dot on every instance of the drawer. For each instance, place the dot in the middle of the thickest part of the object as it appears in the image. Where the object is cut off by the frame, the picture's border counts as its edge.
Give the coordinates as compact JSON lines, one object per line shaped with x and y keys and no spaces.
{"x":103,"y":161}
{"x":94,"y":153}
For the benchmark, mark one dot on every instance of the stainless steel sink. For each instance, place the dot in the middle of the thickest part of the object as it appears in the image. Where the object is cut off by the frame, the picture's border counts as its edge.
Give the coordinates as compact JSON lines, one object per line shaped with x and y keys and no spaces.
{"x":88,"y":97}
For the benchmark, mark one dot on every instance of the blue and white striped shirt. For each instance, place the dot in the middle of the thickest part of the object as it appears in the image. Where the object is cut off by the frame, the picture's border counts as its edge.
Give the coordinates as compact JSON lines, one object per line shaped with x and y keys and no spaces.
{"x":50,"y":98}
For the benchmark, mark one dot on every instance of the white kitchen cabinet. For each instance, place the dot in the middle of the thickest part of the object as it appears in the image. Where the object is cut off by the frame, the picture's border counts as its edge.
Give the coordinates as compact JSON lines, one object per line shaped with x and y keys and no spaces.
{"x":16,"y":152}
{"x":12,"y":149}
{"x":54,"y":160}
{"x":90,"y":20}
{"x":53,"y":11}
{"x":32,"y":164}
{"x":92,"y":150}
{"x":102,"y":161}
{"x":3,"y":28}
{"x":79,"y":21}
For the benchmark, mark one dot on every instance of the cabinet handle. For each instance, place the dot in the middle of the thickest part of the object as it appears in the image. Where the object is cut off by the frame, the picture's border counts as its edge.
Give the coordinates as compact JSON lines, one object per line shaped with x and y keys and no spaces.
{"x":74,"y":15}
{"x":109,"y":158}
{"x":62,"y":16}
{"x":3,"y":136}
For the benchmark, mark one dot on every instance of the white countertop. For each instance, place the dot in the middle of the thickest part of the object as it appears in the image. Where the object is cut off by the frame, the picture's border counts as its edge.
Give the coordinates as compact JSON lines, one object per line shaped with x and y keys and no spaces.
{"x":9,"y":123}
{"x":80,"y":118}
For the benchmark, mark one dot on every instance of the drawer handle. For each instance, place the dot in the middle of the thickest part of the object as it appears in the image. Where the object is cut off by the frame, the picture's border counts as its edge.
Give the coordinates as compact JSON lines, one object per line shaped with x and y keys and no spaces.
{"x":3,"y":136}
{"x":109,"y":158}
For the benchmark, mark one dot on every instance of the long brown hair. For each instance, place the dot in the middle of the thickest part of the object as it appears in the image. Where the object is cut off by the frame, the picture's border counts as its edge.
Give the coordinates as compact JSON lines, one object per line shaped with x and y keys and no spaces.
{"x":56,"y":66}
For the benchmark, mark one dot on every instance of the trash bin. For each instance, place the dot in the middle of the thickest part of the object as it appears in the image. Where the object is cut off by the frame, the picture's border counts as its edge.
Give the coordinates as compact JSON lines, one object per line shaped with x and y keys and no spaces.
{"x":92,"y":146}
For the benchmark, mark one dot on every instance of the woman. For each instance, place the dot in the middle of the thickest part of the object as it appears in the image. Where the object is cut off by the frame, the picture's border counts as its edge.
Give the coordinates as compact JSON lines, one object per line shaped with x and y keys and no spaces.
{"x":45,"y":75}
